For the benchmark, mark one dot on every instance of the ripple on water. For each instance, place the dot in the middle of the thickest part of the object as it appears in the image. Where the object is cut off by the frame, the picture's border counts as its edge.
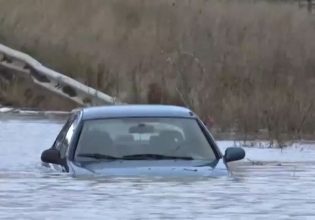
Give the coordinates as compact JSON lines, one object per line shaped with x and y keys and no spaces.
{"x":28,"y":191}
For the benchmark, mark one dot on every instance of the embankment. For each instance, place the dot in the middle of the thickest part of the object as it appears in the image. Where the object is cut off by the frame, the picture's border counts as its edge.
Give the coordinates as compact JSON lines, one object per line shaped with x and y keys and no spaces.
{"x":246,"y":64}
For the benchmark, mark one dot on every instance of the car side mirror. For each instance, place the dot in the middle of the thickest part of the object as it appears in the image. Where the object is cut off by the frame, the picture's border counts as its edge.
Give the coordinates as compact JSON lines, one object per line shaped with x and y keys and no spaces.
{"x":51,"y":156}
{"x":233,"y":154}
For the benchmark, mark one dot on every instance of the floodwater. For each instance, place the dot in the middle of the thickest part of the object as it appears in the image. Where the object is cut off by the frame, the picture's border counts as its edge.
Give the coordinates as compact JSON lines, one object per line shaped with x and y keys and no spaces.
{"x":268,"y":190}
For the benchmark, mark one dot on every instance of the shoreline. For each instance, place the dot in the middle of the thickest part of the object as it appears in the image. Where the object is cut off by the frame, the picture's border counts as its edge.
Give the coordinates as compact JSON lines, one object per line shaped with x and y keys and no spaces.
{"x":252,"y":141}
{"x":30,"y":111}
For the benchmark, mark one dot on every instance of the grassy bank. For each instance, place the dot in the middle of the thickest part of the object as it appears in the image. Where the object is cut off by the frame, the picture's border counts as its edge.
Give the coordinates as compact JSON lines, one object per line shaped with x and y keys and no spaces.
{"x":249,"y":65}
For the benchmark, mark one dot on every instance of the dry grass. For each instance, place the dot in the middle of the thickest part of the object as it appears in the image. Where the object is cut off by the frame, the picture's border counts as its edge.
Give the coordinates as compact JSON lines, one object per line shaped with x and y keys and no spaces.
{"x":21,"y":92}
{"x":250,"y":65}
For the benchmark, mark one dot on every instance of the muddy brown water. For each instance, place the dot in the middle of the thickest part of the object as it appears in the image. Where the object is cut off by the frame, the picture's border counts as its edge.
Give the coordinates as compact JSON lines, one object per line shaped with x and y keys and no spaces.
{"x":283,"y":190}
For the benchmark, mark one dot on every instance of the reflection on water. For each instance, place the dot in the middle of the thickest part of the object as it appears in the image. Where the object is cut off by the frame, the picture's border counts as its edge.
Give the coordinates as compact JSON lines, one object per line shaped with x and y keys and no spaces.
{"x":29,"y":191}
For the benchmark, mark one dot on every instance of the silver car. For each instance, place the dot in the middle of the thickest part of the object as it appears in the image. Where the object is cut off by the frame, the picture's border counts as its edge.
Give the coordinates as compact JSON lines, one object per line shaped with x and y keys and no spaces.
{"x":138,"y":140}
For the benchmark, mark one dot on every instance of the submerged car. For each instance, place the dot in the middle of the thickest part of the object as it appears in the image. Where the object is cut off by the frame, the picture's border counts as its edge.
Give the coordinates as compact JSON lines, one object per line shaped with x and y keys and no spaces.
{"x":137,"y":140}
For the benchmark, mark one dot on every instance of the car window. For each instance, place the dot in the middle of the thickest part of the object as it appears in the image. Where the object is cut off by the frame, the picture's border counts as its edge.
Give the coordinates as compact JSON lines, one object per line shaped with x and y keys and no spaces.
{"x":62,"y":134}
{"x":62,"y":140}
{"x":67,"y":139}
{"x":181,"y":137}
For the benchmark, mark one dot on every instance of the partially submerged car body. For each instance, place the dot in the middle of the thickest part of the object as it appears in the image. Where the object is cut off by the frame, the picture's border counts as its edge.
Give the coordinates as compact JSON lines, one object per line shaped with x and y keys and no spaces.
{"x":137,"y":140}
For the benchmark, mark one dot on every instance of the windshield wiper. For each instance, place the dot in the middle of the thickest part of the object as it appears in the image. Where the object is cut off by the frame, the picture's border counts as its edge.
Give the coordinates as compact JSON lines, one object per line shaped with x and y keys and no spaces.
{"x":154,"y":157}
{"x":99,"y":156}
{"x":134,"y":157}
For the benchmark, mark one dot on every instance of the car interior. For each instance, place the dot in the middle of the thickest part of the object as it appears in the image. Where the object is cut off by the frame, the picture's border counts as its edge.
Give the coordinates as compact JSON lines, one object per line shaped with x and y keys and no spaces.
{"x":100,"y":142}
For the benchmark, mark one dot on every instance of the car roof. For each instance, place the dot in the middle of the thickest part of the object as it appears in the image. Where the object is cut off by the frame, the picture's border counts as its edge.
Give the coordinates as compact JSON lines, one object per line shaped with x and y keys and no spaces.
{"x":120,"y":111}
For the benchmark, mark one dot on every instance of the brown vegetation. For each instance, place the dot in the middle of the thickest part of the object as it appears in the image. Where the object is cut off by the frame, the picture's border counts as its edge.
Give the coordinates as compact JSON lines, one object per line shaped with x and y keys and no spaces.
{"x":20,"y":91}
{"x":250,"y":65}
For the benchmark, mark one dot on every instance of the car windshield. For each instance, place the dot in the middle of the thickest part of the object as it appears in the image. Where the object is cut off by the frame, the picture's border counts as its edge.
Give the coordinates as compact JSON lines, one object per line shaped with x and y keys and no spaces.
{"x":143,"y":138}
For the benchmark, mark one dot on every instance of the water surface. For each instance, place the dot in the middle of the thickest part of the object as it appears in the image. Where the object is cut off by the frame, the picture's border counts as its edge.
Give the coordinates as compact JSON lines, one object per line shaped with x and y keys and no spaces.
{"x":272,"y":190}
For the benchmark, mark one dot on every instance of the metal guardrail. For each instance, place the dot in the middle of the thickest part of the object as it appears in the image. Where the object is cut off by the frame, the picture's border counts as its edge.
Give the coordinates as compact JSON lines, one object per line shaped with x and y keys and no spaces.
{"x":52,"y":80}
